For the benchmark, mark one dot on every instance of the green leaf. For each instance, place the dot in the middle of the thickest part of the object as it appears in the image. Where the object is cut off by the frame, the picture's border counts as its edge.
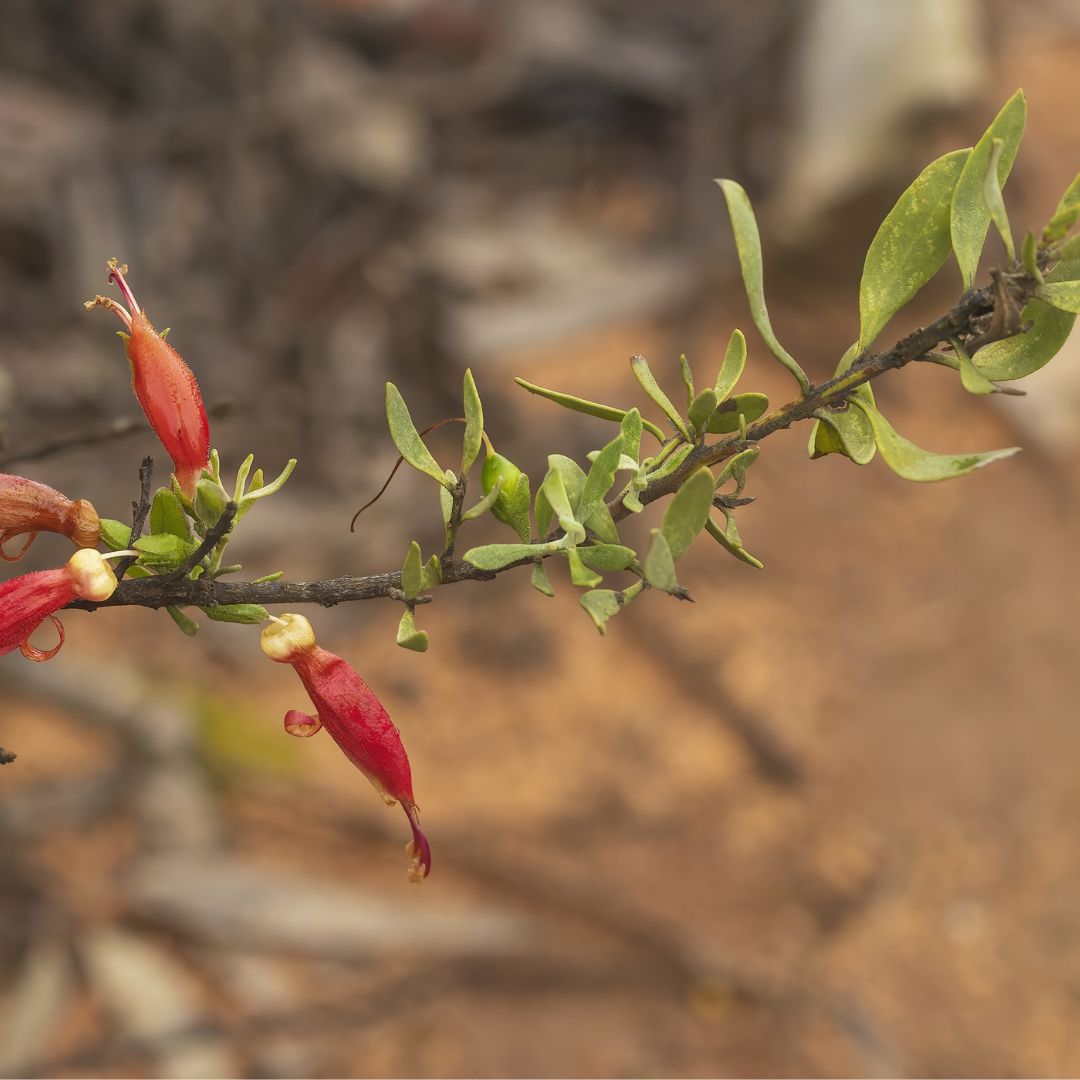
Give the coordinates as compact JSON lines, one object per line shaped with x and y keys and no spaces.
{"x":601,"y":477}
{"x":687,"y":378}
{"x":591,"y":408}
{"x":729,"y":539}
{"x":485,"y":504}
{"x":601,"y":604}
{"x":688,"y":511}
{"x":1029,"y":257}
{"x":1065,"y":216}
{"x":631,"y":433}
{"x":847,"y":431}
{"x":748,"y":244}
{"x":513,"y":509}
{"x":408,"y":637}
{"x":701,"y":408}
{"x":162,"y":550}
{"x":189,"y":626}
{"x":649,"y":384}
{"x":1018,"y":356}
{"x":560,"y":499}
{"x":659,"y":566}
{"x":115,"y":534}
{"x":403,"y":431}
{"x":670,"y":463}
{"x":580,"y":574}
{"x":543,"y":512}
{"x":432,"y":576}
{"x":994,"y":202}
{"x":907,"y":460}
{"x":973,"y":380}
{"x":732,"y":368}
{"x":1064,"y":295}
{"x":726,"y":417}
{"x":259,"y":490}
{"x":496,"y":556}
{"x":446,"y":498}
{"x":167,"y":515}
{"x":412,"y":571}
{"x":474,"y":425}
{"x":1070,"y":250}
{"x":970,"y":216}
{"x":607,"y":556}
{"x":268,"y":577}
{"x":910,"y":246}
{"x":539,"y":580}
{"x":602,"y":524}
{"x":735,"y":467}
{"x":249,"y":614}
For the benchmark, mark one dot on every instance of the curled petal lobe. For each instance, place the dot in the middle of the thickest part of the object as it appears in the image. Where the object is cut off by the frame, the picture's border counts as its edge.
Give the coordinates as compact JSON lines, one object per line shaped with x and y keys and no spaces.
{"x":301,"y":724}
{"x":354,"y":717}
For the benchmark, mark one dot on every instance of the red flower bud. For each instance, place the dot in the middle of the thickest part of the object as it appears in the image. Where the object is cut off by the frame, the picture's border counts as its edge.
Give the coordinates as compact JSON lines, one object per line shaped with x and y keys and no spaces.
{"x":355,"y":718}
{"x":27,"y":601}
{"x":29,"y":507}
{"x":165,"y":387}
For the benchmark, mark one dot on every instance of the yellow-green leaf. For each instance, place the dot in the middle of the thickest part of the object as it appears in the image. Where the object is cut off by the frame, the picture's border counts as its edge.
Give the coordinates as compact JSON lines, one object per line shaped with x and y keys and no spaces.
{"x":410,"y":446}
{"x":412,"y":571}
{"x":590,"y":408}
{"x":726,"y":417}
{"x":688,"y":511}
{"x":474,"y":425}
{"x":732,"y":367}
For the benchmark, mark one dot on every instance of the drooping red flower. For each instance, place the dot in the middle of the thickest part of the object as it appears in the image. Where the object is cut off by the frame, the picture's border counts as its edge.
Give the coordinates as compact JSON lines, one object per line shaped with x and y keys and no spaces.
{"x":355,"y":718}
{"x":164,"y":385}
{"x":27,"y":601}
{"x":29,"y":507}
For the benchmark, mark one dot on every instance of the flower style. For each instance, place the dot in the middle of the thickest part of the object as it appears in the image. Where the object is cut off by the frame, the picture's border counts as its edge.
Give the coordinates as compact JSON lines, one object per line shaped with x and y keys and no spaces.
{"x":164,"y":385}
{"x":27,"y":601}
{"x":29,"y":507}
{"x":355,"y":718}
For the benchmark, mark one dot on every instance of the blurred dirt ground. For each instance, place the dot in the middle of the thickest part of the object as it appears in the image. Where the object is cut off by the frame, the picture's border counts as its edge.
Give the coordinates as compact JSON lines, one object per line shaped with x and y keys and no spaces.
{"x":822,"y":821}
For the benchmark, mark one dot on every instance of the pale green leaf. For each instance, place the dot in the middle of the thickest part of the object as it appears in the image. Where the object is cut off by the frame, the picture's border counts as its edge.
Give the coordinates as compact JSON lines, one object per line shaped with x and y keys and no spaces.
{"x":1029,"y":257}
{"x":496,"y":556}
{"x":189,"y":626}
{"x":607,"y":556}
{"x":1064,"y":295}
{"x":512,"y":508}
{"x":732,"y":367}
{"x":701,"y":408}
{"x":687,"y":378}
{"x":403,"y":431}
{"x":591,"y":408}
{"x":688,"y":511}
{"x":580,"y":574}
{"x":729,"y":540}
{"x":539,"y":580}
{"x":735,"y":468}
{"x":248,"y":614}
{"x":485,"y":504}
{"x":601,"y":477}
{"x":432,"y":575}
{"x":994,"y":202}
{"x":602,"y":524}
{"x":845,"y":431}
{"x":408,"y":637}
{"x":167,"y":515}
{"x":543,"y":513}
{"x":1065,"y":216}
{"x":748,"y":244}
{"x":165,"y":549}
{"x":909,"y":461}
{"x":670,"y":463}
{"x":970,"y":217}
{"x":115,"y":535}
{"x":726,"y":417}
{"x":474,"y":425}
{"x":631,"y":433}
{"x":601,"y":604}
{"x":910,"y":246}
{"x":412,"y":572}
{"x":649,"y":384}
{"x":659,"y":566}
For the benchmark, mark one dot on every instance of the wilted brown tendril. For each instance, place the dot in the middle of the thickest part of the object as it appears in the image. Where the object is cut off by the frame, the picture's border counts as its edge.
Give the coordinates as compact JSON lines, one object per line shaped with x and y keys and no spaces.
{"x":449,"y":420}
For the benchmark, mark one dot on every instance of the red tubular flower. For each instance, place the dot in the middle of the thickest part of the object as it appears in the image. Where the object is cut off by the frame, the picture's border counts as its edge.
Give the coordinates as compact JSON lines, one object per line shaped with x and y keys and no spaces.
{"x":29,"y":507}
{"x":27,"y":601}
{"x":355,"y":718}
{"x":164,"y":385}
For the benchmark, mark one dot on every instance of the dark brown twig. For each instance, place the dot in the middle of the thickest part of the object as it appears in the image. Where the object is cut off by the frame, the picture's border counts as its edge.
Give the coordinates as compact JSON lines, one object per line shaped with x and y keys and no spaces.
{"x":141,"y":509}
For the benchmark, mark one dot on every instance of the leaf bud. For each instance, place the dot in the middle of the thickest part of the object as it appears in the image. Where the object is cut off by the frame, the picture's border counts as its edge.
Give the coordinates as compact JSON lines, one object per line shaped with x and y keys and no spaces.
{"x":210,"y":501}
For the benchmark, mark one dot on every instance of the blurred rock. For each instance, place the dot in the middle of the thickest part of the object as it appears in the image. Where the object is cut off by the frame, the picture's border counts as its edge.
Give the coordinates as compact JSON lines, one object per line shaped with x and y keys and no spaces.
{"x":237,"y":904}
{"x":43,"y":989}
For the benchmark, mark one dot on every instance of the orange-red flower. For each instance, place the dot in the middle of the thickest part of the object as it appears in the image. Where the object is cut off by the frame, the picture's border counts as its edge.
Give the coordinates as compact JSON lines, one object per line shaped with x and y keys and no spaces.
{"x":29,"y":507}
{"x":164,"y":385}
{"x":27,"y":601}
{"x":355,"y":718}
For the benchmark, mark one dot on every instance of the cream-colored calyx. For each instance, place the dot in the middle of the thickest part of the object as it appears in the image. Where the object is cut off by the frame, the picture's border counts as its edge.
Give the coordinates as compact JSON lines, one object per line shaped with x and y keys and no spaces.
{"x":287,"y":638}
{"x":92,"y":578}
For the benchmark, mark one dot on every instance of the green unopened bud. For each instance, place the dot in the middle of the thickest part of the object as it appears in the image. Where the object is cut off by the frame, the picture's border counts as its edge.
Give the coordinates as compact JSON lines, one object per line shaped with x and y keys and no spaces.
{"x":497,"y":467}
{"x":210,"y":501}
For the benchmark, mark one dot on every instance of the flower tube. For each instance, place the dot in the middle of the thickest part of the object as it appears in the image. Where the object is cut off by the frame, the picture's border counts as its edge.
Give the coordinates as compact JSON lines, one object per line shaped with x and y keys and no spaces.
{"x":355,"y":718}
{"x":164,"y":385}
{"x":27,"y":601}
{"x":29,"y":507}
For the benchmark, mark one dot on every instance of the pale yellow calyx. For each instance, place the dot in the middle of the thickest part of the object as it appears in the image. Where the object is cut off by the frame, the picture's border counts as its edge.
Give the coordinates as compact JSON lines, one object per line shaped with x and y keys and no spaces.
{"x":92,"y":578}
{"x":287,"y":638}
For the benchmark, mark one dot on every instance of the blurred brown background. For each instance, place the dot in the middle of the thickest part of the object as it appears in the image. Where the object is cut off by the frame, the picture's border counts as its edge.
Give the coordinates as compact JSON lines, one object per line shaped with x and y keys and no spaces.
{"x":821,"y":822}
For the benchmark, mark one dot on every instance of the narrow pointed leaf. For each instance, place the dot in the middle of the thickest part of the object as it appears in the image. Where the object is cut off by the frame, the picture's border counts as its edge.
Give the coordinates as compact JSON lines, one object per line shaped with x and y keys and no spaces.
{"x":412,"y":572}
{"x":910,"y":247}
{"x":973,"y":380}
{"x":735,"y":468}
{"x":602,"y":524}
{"x":1018,"y":356}
{"x":670,"y":463}
{"x":687,"y":378}
{"x":729,"y":540}
{"x":558,"y":497}
{"x":649,"y":384}
{"x":403,"y":431}
{"x":659,"y":566}
{"x":631,"y":433}
{"x":688,"y":511}
{"x":474,"y":425}
{"x":513,"y":508}
{"x":994,"y":202}
{"x":1029,"y":257}
{"x":601,"y":477}
{"x":970,"y":217}
{"x":732,"y":368}
{"x":485,"y":504}
{"x":591,"y":408}
{"x":912,"y":463}
{"x":748,"y":244}
{"x":726,"y":417}
{"x":543,"y":513}
{"x":1065,"y":216}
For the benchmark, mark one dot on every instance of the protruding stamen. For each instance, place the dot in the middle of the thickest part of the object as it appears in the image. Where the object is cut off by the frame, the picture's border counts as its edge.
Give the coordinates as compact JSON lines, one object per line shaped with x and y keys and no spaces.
{"x":120,"y":554}
{"x":117,"y":274}
{"x":110,"y":305}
